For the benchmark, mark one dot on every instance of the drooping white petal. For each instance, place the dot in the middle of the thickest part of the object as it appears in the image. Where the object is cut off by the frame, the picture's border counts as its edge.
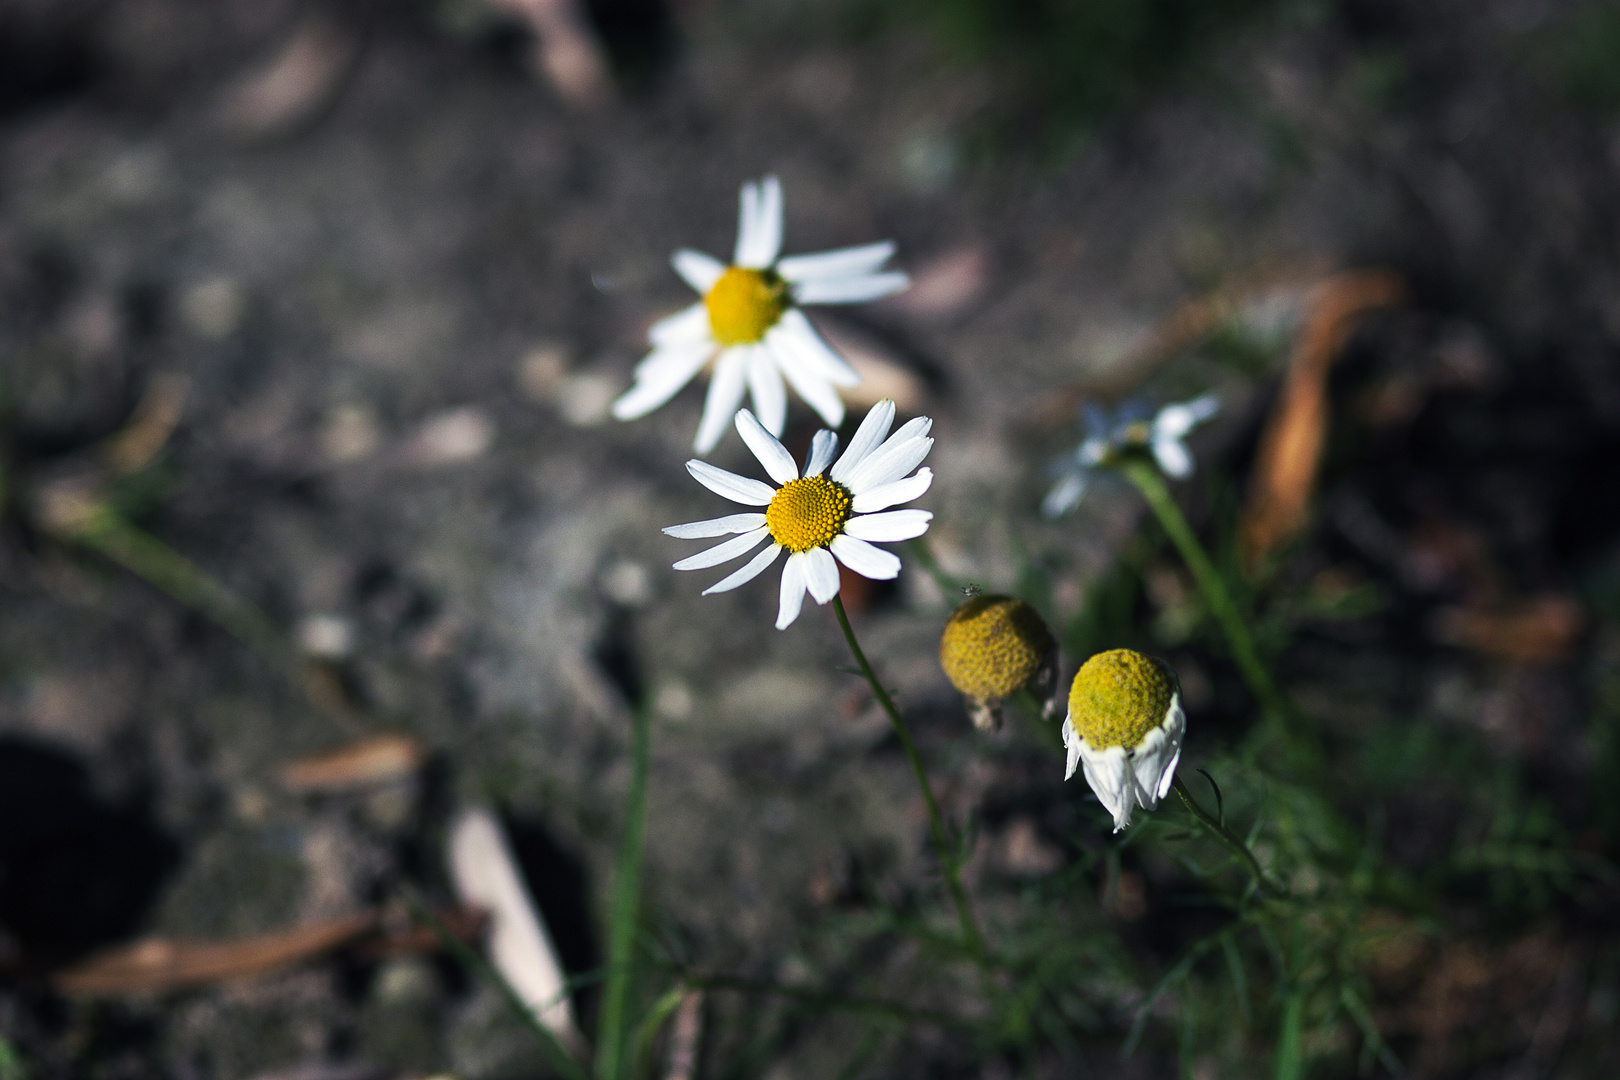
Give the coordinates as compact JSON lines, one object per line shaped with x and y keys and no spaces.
{"x":725,"y":394}
{"x":799,"y":335}
{"x":739,"y":489}
{"x":1109,"y":774}
{"x":1071,"y":747}
{"x":697,"y":269}
{"x":734,"y":548}
{"x":792,"y":595}
{"x":864,"y":559}
{"x":750,"y":570}
{"x":688,"y":326}
{"x":850,"y":290}
{"x":868,"y":437}
{"x":807,"y":380}
{"x":820,"y":574}
{"x":1174,"y":421}
{"x":895,"y":459}
{"x":1154,"y":760}
{"x":771,"y":454}
{"x":889,"y":527}
{"x":1065,"y":495}
{"x":720,"y":526}
{"x":759,"y":232}
{"x":1093,"y":452}
{"x":900,"y":491}
{"x":765,"y":386}
{"x":660,"y":377}
{"x":822,"y":448}
{"x":1173,"y":458}
{"x":841,"y":262}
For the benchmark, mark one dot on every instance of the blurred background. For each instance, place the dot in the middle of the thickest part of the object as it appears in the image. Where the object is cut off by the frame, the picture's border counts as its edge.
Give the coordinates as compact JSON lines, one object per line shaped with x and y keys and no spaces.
{"x":317,"y":530}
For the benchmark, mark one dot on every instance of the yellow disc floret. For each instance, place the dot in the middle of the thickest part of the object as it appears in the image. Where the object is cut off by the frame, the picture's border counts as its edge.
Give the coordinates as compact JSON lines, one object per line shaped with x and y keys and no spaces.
{"x":993,"y":646}
{"x":744,"y":304}
{"x":1118,"y":697}
{"x":807,"y":513}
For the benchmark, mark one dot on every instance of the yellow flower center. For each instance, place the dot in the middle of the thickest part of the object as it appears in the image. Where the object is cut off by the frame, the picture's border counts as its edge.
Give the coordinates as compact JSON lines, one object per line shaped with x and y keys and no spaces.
{"x":808,"y":513}
{"x":992,"y":646}
{"x":1118,"y":697}
{"x":744,"y":304}
{"x":1137,"y":434}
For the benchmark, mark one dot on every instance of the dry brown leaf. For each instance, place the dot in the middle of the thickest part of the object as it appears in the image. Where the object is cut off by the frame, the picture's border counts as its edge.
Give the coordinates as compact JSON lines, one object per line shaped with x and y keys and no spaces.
{"x":883,"y":373}
{"x":945,"y":285}
{"x":149,"y":428}
{"x":292,"y":86}
{"x":158,"y":964}
{"x":1291,"y":445}
{"x":684,"y":1033}
{"x":1539,"y":631}
{"x":372,"y":761}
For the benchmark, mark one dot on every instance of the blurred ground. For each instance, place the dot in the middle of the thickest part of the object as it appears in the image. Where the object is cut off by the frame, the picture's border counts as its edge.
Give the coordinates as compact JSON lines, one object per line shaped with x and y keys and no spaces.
{"x":402,"y":299}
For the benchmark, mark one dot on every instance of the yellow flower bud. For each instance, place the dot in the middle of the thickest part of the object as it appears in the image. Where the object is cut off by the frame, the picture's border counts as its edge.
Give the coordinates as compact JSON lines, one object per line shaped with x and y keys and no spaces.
{"x":992,"y":647}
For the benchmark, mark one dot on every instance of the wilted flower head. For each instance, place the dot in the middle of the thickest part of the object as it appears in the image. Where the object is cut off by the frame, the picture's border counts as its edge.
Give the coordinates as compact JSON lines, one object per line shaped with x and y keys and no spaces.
{"x":1109,"y":437}
{"x":1124,"y":728}
{"x":748,"y":323}
{"x":993,"y":647}
{"x":814,"y":517}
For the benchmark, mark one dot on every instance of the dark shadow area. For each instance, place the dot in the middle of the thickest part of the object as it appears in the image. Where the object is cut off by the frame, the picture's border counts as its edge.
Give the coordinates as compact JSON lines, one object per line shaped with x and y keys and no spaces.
{"x":560,"y":886}
{"x":76,"y":872}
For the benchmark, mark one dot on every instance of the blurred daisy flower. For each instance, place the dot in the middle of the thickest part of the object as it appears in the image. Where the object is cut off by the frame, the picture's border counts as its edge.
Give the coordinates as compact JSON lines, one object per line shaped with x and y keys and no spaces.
{"x":994,"y":646}
{"x":820,"y":514}
{"x":1109,"y":437}
{"x":750,"y":326}
{"x":1124,"y":728}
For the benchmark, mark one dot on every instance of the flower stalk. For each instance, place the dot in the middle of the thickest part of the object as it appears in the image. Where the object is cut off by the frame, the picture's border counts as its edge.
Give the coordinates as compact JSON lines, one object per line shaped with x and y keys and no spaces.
{"x":610,"y":1040}
{"x":1226,"y":836}
{"x":971,"y":937}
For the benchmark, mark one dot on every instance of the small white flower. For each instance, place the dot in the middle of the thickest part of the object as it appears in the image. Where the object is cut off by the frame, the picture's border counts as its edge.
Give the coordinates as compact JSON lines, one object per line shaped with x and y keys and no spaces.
{"x":816,"y":517}
{"x":1108,"y":437}
{"x":1124,"y":727}
{"x":750,"y":326}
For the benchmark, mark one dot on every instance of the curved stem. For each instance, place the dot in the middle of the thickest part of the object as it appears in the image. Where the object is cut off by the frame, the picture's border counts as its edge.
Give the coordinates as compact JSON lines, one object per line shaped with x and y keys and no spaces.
{"x":1221,"y":605}
{"x":1225,"y":836}
{"x":610,"y":1046}
{"x":936,"y":824}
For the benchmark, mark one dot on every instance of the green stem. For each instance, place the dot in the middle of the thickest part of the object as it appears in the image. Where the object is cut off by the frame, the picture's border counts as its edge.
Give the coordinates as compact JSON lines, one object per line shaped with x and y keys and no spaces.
{"x":1225,"y":836}
{"x":1289,"y":1064}
{"x":1210,"y":586}
{"x":936,"y":824}
{"x":610,"y":1056}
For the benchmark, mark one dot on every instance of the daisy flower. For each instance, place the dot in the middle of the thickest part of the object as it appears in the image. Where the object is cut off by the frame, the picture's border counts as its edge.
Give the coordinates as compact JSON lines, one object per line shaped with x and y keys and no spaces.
{"x":750,"y":326}
{"x":818,"y":515}
{"x":1125,"y":726}
{"x":1110,"y":437}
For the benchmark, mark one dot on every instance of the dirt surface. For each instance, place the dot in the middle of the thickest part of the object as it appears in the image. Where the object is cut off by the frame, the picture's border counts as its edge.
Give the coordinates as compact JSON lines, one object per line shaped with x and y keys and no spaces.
{"x":400,"y":311}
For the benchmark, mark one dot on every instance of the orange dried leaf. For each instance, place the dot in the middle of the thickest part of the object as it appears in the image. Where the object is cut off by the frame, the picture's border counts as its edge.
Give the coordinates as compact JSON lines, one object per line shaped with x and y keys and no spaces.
{"x":371,"y":761}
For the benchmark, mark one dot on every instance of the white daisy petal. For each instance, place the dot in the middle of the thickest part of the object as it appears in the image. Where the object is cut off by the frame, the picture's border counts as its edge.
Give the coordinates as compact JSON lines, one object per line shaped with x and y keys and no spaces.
{"x":725,"y":394}
{"x":842,"y":262}
{"x":1071,"y":746}
{"x":900,"y":491}
{"x":771,"y":454}
{"x":821,"y":574}
{"x":739,"y":489}
{"x":796,"y":331}
{"x":1109,"y":774}
{"x":731,"y":549}
{"x":697,"y":269}
{"x":1064,"y":496}
{"x":660,"y":377}
{"x":807,"y":381}
{"x":1173,"y":458}
{"x":759,"y":234}
{"x":1154,"y":761}
{"x":792,"y":595}
{"x":687,"y":326}
{"x":765,"y":386}
{"x":895,"y":459}
{"x":887,"y":528}
{"x":1174,"y":421}
{"x":822,"y":448}
{"x":750,"y":570}
{"x":850,"y":290}
{"x":734,"y":523}
{"x":873,"y":430}
{"x":864,"y":559}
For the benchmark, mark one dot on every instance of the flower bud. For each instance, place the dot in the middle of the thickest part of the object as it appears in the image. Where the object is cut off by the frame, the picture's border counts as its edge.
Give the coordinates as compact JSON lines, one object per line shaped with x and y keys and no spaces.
{"x":993,"y":647}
